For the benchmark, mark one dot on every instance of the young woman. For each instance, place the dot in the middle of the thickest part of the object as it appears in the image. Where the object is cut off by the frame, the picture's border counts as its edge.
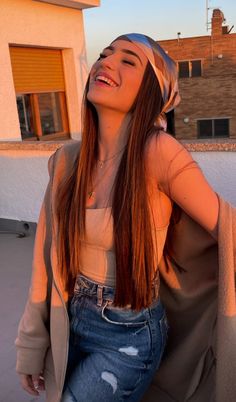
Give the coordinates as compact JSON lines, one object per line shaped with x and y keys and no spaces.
{"x":102,"y":232}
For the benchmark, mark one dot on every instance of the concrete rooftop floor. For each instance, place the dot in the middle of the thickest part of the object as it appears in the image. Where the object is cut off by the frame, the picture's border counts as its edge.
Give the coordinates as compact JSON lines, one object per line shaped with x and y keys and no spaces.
{"x":15,"y":272}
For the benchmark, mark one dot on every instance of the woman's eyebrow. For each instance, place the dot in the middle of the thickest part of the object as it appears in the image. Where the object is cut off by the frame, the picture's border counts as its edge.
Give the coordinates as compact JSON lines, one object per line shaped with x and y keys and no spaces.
{"x":127,"y":51}
{"x":132,"y":54}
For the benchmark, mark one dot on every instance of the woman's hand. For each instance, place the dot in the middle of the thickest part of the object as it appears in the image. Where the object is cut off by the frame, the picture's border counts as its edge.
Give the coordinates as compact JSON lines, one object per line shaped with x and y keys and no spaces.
{"x":32,"y":383}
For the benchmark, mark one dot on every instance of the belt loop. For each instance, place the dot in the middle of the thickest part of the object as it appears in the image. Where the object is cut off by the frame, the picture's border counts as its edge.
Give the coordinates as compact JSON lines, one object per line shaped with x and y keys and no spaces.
{"x":99,"y":295}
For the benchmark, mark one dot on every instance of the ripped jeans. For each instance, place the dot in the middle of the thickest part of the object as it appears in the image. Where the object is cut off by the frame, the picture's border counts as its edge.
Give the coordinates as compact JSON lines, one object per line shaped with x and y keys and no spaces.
{"x":113,"y":352}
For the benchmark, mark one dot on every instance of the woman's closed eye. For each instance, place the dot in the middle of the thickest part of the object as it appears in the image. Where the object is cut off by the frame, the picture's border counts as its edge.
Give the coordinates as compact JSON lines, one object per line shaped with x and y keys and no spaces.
{"x":130,"y":62}
{"x":124,"y":61}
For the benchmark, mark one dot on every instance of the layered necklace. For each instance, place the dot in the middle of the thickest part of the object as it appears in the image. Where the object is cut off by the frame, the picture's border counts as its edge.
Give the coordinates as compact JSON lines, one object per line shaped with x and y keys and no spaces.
{"x":102,"y":163}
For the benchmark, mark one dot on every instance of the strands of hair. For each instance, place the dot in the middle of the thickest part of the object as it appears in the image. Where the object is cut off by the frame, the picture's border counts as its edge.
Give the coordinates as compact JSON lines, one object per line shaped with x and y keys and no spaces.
{"x":130,"y":207}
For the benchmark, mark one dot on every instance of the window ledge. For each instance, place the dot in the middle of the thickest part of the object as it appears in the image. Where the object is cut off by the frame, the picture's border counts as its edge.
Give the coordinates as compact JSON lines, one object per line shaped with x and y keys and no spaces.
{"x":33,"y":145}
{"x":210,"y":145}
{"x":203,"y":145}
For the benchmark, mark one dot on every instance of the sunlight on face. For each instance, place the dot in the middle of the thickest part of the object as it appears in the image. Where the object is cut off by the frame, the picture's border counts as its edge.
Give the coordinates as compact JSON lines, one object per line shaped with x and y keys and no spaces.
{"x":116,"y":76}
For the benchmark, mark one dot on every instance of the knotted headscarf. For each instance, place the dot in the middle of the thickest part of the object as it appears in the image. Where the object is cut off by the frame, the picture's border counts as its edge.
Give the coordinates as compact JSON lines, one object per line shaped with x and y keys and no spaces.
{"x":165,"y":70}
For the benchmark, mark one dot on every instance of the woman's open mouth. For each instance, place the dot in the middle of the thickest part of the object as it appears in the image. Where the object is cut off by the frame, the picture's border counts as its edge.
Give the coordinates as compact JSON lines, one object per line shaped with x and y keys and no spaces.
{"x":105,"y":80}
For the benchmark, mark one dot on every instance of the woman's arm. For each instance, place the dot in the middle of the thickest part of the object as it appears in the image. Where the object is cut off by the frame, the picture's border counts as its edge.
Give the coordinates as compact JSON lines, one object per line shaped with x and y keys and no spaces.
{"x":183,"y":181}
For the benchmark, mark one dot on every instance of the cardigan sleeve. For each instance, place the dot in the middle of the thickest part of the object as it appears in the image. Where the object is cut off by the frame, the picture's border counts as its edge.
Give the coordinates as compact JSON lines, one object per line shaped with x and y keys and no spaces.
{"x":33,"y":338}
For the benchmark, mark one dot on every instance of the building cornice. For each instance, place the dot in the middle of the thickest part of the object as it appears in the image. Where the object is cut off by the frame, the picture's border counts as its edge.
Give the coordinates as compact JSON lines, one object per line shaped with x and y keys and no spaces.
{"x":76,"y":4}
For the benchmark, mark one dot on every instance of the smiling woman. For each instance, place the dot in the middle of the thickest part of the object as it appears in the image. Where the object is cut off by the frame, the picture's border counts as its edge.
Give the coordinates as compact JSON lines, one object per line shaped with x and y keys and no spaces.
{"x":104,"y":235}
{"x":120,"y":66}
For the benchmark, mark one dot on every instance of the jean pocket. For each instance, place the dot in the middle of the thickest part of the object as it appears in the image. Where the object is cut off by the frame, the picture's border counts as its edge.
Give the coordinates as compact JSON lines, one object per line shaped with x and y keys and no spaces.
{"x":123,"y":316}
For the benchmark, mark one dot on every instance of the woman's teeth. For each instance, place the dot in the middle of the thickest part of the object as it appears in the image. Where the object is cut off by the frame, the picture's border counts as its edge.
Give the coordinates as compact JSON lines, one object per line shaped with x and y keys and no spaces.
{"x":106,"y":80}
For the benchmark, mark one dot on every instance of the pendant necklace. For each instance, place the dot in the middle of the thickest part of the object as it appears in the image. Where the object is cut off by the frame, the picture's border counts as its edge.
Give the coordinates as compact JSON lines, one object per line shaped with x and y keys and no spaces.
{"x":91,"y":193}
{"x":101,"y":163}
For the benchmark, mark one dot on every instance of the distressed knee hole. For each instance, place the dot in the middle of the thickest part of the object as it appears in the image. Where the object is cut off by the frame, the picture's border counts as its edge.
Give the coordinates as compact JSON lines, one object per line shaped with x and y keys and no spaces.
{"x":129,"y":350}
{"x":111,"y":379}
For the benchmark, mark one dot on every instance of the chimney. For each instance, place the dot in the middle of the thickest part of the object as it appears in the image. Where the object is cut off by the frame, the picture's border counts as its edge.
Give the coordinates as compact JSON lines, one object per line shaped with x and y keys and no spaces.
{"x":225,"y":29}
{"x":216,"y":22}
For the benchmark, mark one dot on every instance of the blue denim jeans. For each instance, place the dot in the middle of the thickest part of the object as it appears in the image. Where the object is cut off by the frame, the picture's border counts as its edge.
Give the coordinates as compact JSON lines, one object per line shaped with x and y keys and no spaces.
{"x":114,"y":352}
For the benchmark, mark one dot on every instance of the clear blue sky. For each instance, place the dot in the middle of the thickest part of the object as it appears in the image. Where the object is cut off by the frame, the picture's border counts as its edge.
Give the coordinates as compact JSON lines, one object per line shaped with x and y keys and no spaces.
{"x":156,"y":18}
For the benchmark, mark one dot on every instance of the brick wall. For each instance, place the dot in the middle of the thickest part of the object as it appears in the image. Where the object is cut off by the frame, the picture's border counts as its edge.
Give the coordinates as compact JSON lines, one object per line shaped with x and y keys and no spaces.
{"x":214,"y":93}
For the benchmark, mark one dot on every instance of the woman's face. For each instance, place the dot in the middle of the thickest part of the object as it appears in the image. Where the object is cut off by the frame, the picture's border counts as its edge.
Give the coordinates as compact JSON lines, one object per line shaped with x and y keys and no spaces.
{"x":116,"y":77}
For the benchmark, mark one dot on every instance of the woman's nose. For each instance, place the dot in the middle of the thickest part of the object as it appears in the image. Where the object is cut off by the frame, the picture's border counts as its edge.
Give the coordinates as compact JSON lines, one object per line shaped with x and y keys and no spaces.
{"x":109,"y":62}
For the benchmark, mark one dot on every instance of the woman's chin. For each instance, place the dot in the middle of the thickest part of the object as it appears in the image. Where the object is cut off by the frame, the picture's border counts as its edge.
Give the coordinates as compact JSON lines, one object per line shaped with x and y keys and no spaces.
{"x":95,"y":98}
{"x":104,"y":107}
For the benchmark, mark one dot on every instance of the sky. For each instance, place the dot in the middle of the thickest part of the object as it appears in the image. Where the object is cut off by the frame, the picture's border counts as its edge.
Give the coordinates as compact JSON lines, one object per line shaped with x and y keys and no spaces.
{"x":156,"y":18}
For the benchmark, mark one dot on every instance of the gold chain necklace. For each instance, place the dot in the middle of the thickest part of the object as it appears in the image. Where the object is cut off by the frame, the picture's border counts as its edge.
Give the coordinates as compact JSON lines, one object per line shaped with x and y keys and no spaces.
{"x":102,"y":162}
{"x":91,"y":193}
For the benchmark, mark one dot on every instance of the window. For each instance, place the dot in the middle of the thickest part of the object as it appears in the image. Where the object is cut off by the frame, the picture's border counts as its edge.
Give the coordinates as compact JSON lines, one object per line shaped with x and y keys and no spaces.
{"x":40,"y":92}
{"x":170,"y":117}
{"x":213,"y":128}
{"x":42,"y":116}
{"x":183,"y":69}
{"x":192,"y":68}
{"x":196,"y":68}
{"x":25,"y":116}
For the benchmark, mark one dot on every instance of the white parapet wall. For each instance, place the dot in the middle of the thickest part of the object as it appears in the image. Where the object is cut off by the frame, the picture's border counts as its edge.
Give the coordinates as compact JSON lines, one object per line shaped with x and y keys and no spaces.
{"x":220,"y":170}
{"x":24,"y":177}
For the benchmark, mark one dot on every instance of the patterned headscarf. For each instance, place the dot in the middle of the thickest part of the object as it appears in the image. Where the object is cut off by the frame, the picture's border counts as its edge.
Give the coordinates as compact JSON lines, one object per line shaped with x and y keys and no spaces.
{"x":165,"y":70}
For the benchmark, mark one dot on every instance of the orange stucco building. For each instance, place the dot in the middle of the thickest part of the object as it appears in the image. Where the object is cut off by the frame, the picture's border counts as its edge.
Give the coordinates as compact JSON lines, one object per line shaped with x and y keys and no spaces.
{"x":43,"y":68}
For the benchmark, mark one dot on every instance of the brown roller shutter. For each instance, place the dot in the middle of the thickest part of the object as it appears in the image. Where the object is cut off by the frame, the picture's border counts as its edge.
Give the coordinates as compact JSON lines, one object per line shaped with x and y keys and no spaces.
{"x":37,"y":70}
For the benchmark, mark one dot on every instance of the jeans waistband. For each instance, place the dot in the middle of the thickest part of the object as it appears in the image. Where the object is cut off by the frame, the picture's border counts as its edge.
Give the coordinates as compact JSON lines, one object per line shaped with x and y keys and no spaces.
{"x":106,"y":293}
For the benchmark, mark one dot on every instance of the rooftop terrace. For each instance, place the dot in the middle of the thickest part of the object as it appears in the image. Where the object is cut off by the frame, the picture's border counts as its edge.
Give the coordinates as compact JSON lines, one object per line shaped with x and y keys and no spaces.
{"x":15,"y":271}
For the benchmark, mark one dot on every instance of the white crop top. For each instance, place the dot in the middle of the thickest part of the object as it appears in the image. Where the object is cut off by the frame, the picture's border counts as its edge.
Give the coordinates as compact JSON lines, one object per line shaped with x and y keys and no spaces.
{"x":97,"y":254}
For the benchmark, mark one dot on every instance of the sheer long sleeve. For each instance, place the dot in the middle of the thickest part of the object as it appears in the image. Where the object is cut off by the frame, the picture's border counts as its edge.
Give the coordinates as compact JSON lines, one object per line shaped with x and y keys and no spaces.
{"x":180,"y":177}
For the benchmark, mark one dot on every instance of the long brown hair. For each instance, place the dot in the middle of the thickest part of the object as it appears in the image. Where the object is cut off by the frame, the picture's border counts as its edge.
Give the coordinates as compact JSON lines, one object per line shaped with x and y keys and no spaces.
{"x":131,"y":212}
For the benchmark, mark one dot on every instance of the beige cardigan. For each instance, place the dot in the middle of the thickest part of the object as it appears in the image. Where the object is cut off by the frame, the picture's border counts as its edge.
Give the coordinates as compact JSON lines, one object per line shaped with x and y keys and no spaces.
{"x":200,"y":361}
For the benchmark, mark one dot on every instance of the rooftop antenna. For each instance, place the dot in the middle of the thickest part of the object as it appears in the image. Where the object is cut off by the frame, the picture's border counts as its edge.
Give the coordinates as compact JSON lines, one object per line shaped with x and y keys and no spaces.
{"x":208,"y":23}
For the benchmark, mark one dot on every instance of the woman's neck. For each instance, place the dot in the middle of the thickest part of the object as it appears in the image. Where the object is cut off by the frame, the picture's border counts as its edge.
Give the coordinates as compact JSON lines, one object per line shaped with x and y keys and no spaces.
{"x":112,"y":133}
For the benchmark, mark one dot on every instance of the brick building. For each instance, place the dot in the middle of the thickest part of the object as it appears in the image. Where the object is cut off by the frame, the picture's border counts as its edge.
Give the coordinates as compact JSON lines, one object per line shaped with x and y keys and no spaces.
{"x":207,"y":80}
